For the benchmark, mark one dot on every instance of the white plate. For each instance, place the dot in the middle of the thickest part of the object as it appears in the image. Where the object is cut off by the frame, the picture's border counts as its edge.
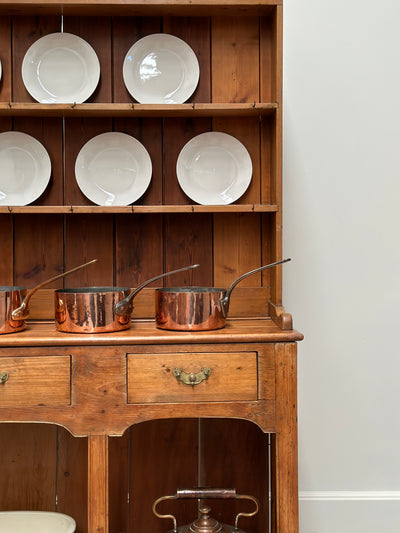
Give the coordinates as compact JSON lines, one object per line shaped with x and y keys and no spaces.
{"x":36,"y":522}
{"x":113,"y":169}
{"x":161,"y":69}
{"x":60,"y":68}
{"x":1,"y":72}
{"x":25,"y":168}
{"x":214,"y":168}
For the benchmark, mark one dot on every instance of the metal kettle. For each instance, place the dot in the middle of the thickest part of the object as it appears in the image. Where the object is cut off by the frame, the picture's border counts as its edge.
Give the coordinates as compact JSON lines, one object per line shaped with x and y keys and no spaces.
{"x":204,"y":523}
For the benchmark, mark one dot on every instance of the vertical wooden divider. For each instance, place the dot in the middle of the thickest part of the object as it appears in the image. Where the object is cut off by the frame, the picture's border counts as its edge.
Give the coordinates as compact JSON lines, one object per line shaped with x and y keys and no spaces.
{"x":230,"y":450}
{"x":235,"y":59}
{"x":38,"y":251}
{"x":267,"y":59}
{"x":138,"y":248}
{"x":98,"y":460}
{"x":72,"y":475}
{"x":267,"y":251}
{"x":119,"y":482}
{"x":6,"y":239}
{"x":236,"y":248}
{"x":28,"y":467}
{"x":6,"y":60}
{"x":267,"y":125}
{"x":284,"y":442}
{"x":6,"y":221}
{"x":277,"y":61}
{"x":95,"y":237}
{"x":187,"y":245}
{"x":164,"y":457}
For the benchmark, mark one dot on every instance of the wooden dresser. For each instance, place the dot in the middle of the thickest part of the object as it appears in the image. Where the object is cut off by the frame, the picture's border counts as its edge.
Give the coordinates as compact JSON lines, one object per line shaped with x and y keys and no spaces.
{"x":99,"y":426}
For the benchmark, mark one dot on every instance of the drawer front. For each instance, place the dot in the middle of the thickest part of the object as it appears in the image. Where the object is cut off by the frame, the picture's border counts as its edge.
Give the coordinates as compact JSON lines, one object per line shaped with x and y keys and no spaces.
{"x":31,"y":381}
{"x":194,"y":377}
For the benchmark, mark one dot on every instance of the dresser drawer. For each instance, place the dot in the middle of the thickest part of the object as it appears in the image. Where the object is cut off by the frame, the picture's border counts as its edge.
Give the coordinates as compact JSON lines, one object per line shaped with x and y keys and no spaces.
{"x":194,"y":377}
{"x":31,"y":381}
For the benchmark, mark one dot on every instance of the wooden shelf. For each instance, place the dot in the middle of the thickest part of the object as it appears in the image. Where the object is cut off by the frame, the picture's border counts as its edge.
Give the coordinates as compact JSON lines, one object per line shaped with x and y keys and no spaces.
{"x":81,"y":209}
{"x":136,"y":8}
{"x":136,"y":110}
{"x":145,"y":332}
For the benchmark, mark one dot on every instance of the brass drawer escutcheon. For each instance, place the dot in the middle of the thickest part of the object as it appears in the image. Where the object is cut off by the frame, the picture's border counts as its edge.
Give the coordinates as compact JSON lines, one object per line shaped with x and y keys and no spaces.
{"x":191,"y":378}
{"x":3,"y":377}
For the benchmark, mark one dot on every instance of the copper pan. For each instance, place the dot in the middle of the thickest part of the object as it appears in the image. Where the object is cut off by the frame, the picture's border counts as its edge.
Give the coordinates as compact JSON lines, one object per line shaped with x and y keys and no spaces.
{"x":14,"y":302}
{"x":197,"y":308}
{"x":99,"y":309}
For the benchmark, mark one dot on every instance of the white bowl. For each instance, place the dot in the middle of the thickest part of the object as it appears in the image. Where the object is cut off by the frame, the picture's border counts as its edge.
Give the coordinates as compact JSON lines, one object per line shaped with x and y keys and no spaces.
{"x":35,"y":522}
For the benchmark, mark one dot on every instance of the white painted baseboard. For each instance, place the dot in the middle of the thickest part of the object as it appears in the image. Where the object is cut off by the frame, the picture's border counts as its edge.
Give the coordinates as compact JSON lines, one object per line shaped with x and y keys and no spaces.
{"x":349,"y":511}
{"x":347,"y":495}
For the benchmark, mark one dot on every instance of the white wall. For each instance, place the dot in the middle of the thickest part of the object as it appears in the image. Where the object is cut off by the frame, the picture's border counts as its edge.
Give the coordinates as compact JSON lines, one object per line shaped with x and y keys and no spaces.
{"x":341,"y":228}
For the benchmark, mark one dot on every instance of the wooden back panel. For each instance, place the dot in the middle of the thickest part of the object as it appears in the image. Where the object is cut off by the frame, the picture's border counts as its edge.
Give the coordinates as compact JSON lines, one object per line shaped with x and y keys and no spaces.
{"x":236,"y":57}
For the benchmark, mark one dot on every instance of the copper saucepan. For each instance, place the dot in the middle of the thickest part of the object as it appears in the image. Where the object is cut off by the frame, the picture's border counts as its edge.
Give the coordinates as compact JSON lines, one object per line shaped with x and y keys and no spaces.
{"x":197,"y":308}
{"x":99,"y":309}
{"x":14,"y":302}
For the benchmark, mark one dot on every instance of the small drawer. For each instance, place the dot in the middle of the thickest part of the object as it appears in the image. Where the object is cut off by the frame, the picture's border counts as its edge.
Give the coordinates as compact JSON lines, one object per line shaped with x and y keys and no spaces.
{"x":194,"y":377}
{"x":32,"y":381}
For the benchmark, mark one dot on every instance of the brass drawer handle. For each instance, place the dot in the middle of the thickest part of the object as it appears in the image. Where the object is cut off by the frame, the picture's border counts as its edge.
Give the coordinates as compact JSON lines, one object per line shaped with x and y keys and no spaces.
{"x":3,"y":377}
{"x":191,"y":378}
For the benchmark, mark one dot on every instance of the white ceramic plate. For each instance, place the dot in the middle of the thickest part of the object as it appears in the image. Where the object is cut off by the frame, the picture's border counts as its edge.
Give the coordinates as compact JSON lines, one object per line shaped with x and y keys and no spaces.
{"x":60,"y":68}
{"x":25,"y":168}
{"x":161,"y":69}
{"x":36,"y":522}
{"x":113,"y":169}
{"x":214,"y":168}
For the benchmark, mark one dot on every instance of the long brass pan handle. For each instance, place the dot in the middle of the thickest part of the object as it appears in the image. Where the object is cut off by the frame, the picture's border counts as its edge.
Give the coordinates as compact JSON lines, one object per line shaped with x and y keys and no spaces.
{"x":125,"y":306}
{"x":22,"y":312}
{"x":226,"y":299}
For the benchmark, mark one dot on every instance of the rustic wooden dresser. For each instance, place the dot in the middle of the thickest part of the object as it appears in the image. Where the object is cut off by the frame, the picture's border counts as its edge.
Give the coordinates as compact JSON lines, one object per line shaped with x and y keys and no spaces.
{"x":98,"y":426}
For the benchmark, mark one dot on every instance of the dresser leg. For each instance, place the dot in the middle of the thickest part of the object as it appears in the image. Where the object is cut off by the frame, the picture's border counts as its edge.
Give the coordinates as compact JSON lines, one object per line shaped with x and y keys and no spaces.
{"x":98,"y":484}
{"x":284,"y":443}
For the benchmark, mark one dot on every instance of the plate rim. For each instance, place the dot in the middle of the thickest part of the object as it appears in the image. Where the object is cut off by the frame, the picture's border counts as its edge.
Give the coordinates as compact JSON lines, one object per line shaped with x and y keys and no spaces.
{"x":84,"y":94}
{"x":182,"y":177}
{"x":128,"y":76}
{"x":89,"y":143}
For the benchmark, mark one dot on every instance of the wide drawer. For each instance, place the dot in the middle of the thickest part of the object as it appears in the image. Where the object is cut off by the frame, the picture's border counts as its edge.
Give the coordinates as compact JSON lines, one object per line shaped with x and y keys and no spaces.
{"x":31,"y":381}
{"x":218,"y":376}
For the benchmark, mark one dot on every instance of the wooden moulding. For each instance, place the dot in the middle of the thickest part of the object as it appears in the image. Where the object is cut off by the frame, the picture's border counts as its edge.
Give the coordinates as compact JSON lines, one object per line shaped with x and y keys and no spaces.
{"x":189,"y":208}
{"x":135,"y":8}
{"x":135,"y":109}
{"x":280,"y":317}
